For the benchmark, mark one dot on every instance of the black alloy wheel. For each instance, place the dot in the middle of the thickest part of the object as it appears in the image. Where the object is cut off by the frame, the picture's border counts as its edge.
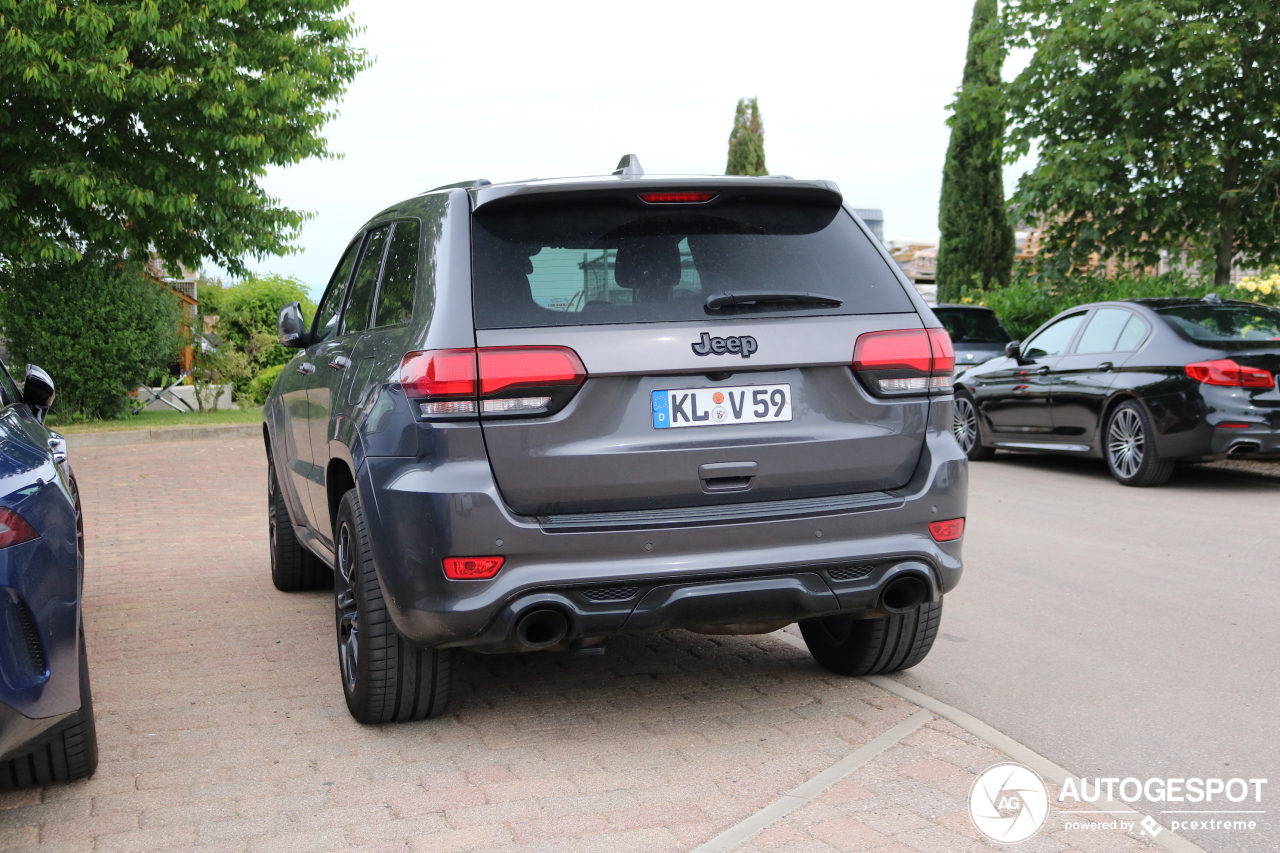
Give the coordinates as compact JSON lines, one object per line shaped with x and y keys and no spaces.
{"x":293,"y":567}
{"x":385,"y":678}
{"x":1131,"y":451}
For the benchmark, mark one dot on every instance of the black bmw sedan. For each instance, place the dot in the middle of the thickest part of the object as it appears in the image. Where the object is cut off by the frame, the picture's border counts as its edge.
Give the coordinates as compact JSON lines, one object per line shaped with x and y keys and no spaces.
{"x":1140,"y":383}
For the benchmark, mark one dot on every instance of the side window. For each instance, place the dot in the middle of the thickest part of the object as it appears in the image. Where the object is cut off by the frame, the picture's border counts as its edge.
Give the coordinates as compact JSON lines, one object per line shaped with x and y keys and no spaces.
{"x":399,"y":274}
{"x":1135,"y":332}
{"x":326,"y":322}
{"x":1103,"y":331}
{"x":1055,"y":339}
{"x":363,"y":287}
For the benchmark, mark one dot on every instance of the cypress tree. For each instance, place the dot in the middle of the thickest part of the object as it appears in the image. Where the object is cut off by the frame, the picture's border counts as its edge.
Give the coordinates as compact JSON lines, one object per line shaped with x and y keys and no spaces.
{"x":746,"y":142}
{"x":977,"y":243}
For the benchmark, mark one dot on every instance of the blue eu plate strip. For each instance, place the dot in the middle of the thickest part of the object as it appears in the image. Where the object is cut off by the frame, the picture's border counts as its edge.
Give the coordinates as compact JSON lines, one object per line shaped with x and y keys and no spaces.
{"x":661,"y":413}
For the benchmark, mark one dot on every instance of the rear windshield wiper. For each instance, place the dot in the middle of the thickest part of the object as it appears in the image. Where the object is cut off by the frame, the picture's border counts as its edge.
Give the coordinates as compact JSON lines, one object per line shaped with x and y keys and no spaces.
{"x":716,"y":301}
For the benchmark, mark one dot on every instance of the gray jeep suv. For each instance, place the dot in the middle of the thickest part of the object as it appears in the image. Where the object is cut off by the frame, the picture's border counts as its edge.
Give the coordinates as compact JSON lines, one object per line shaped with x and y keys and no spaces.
{"x":537,"y":414}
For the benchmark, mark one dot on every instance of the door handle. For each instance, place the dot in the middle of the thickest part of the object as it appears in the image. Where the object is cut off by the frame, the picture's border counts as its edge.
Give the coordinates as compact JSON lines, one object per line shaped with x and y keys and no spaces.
{"x":306,"y":368}
{"x":1106,"y":367}
{"x":1042,"y":370}
{"x":340,"y":362}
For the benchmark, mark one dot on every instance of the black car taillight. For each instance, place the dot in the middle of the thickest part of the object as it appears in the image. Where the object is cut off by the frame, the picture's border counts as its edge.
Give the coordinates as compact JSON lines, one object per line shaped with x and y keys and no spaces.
{"x":491,"y":381}
{"x":905,"y":361}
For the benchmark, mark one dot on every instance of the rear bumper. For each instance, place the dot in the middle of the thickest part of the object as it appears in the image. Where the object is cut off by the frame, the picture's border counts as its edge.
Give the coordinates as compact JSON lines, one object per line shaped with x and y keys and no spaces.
{"x":696,"y":572}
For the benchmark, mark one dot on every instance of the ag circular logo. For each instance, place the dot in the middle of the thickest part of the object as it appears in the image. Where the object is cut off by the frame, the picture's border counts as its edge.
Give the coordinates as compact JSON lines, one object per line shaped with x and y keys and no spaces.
{"x":1009,"y":803}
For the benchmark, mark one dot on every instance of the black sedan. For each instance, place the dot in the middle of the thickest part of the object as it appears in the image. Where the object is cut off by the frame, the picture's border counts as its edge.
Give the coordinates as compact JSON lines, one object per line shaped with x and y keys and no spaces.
{"x":975,"y":332}
{"x":1141,"y":383}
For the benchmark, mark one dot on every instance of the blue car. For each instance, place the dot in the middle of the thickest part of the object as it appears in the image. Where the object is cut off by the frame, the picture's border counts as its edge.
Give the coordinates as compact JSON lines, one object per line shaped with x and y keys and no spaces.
{"x":46,"y":712}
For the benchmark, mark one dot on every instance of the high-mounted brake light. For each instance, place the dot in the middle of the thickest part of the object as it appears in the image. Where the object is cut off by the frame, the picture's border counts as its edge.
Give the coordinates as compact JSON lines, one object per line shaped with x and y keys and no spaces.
{"x":472,"y":568}
{"x":905,"y":361}
{"x":677,"y":198}
{"x":491,"y":380}
{"x":947,"y":531}
{"x":1224,"y":371}
{"x":14,"y":529}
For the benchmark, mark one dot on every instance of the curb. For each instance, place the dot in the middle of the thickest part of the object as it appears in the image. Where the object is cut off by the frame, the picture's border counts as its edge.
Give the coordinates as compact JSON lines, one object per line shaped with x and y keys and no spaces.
{"x":146,"y":436}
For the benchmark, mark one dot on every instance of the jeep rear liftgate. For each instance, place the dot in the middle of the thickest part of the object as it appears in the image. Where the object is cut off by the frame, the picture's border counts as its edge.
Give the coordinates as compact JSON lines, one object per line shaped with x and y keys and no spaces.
{"x":718,"y":340}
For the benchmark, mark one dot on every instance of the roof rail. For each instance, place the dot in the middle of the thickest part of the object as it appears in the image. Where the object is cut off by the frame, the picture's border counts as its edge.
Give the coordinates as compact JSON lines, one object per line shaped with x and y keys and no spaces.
{"x":629,"y":167}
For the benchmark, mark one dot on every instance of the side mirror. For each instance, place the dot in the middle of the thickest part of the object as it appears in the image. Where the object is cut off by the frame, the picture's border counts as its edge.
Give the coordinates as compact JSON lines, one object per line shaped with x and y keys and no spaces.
{"x":293,"y":331}
{"x":37,"y":391}
{"x":1013,"y":350}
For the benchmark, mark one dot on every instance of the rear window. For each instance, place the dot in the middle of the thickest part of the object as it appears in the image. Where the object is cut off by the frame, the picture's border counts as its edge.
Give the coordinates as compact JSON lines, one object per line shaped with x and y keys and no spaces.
{"x":613,"y":262}
{"x":1225,"y":324}
{"x":967,"y":326}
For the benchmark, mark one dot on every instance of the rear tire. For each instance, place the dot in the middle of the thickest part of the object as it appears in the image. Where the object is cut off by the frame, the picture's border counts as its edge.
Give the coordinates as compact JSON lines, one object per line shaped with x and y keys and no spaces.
{"x":965,"y":426}
{"x":71,"y":752}
{"x":293,"y":567}
{"x":850,"y":646}
{"x":385,"y":678}
{"x":1130,"y":448}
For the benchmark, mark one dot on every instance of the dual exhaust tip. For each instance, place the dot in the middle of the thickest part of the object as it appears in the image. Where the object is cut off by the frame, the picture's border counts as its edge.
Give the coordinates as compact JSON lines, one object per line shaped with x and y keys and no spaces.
{"x":542,"y":628}
{"x":904,"y":593}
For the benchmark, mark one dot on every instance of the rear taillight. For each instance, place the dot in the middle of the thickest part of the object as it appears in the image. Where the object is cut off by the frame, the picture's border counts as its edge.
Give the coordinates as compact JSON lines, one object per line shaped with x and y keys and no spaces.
{"x":1224,"y":371}
{"x":905,"y":361}
{"x":496,"y":381}
{"x":14,"y":529}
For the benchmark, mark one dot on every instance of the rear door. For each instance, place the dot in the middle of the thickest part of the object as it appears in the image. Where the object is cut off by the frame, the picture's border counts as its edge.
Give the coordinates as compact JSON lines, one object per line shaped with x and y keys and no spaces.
{"x":694,"y":397}
{"x":333,"y":362}
{"x":296,"y":410}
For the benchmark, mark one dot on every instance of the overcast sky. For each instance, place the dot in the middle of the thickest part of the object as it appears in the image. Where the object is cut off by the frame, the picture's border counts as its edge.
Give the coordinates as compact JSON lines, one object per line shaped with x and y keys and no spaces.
{"x":854,"y":92}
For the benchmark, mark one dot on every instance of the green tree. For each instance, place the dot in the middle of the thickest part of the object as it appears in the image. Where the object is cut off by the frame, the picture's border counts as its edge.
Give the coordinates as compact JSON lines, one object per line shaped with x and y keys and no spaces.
{"x":99,"y":327}
{"x":977,"y":245}
{"x":129,"y":126}
{"x":1158,"y":127}
{"x":746,"y":142}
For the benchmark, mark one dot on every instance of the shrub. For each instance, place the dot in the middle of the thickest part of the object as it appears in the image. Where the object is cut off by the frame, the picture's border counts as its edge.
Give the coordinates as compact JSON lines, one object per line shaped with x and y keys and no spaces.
{"x":98,"y":326}
{"x":1027,"y":303}
{"x":247,"y":312}
{"x":260,"y":385}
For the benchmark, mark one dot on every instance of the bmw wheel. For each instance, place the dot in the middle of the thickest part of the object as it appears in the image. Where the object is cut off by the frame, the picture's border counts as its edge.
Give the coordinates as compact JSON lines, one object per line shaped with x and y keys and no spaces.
{"x":1131,"y":449}
{"x":965,"y":427}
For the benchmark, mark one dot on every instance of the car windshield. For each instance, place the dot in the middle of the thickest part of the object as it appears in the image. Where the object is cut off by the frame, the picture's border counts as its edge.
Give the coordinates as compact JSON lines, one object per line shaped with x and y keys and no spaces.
{"x":1225,"y":324}
{"x":587,"y":263}
{"x":967,"y":326}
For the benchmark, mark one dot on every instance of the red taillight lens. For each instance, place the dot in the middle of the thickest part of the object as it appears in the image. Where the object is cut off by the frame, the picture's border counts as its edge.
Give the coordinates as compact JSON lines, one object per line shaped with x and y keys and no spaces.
{"x":677,"y":198}
{"x":1224,"y":371}
{"x":14,"y":528}
{"x":495,"y":381}
{"x":947,"y":531}
{"x":472,"y":568}
{"x":944,"y":355}
{"x":523,"y":367}
{"x":439,"y":373}
{"x":905,"y":361}
{"x":908,"y":349}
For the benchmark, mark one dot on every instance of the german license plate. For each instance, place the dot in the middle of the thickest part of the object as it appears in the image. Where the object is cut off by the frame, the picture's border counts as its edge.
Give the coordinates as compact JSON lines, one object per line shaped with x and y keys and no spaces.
{"x":745,"y":404}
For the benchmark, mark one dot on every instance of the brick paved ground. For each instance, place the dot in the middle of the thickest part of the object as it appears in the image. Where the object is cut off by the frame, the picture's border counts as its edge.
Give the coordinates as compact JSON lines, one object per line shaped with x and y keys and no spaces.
{"x":222,"y":725}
